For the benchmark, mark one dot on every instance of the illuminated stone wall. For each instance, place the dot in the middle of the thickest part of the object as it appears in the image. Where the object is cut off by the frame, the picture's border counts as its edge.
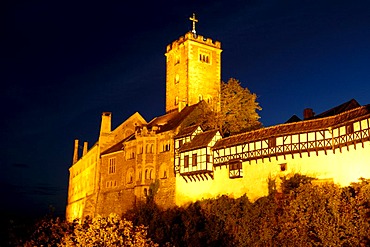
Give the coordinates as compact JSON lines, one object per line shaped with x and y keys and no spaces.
{"x":82,"y":183}
{"x":193,"y":72}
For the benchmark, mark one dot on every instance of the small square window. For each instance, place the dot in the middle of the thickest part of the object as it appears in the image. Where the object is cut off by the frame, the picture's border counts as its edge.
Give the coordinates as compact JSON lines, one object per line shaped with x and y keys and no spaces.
{"x":283,"y":167}
{"x":236,"y":169}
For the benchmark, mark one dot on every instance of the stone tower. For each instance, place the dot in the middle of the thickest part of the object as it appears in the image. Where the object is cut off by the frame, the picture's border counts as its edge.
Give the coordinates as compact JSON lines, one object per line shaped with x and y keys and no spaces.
{"x":193,"y":71}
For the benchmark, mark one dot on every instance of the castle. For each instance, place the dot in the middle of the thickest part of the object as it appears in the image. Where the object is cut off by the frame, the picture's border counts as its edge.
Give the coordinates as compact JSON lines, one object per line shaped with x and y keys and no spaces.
{"x":174,"y":160}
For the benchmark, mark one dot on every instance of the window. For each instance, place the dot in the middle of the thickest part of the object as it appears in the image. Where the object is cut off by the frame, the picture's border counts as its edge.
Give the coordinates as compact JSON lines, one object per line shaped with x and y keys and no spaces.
{"x":194,"y":159}
{"x":349,"y":128}
{"x":180,"y":143}
{"x":200,"y":97}
{"x":236,"y":169}
{"x":112,"y":166}
{"x":272,"y":142}
{"x":166,"y":147}
{"x":177,"y":78}
{"x":177,"y":59}
{"x":110,"y":184}
{"x":204,"y":56}
{"x":283,"y":167}
{"x":186,"y":161}
{"x":176,"y":100}
{"x":132,"y":155}
{"x":149,"y":148}
{"x":208,"y":158}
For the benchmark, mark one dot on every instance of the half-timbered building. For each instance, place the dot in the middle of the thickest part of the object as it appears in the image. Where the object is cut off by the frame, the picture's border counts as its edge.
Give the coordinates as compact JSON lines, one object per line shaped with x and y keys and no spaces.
{"x":331,"y":146}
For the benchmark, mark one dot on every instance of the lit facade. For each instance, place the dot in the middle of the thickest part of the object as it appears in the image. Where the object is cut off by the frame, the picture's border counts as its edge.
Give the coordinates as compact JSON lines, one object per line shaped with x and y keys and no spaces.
{"x":177,"y":162}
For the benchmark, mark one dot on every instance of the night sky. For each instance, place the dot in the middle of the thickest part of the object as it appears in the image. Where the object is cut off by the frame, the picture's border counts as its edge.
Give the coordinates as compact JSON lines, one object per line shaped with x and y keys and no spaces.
{"x":63,"y":63}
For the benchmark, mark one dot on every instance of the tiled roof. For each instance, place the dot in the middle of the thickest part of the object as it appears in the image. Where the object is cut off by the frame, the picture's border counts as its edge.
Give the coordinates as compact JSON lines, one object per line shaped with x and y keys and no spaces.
{"x":293,"y":119}
{"x":119,"y":146}
{"x":298,"y":127}
{"x":352,"y":104}
{"x":172,"y":120}
{"x":187,"y":131}
{"x":349,"y":105}
{"x":200,"y":140}
{"x":165,"y":122}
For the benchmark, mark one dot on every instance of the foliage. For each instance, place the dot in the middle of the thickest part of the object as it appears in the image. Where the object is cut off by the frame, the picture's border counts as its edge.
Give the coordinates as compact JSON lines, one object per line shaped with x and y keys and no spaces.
{"x":107,"y":231}
{"x":98,"y":231}
{"x":238,"y":110}
{"x":303,"y":215}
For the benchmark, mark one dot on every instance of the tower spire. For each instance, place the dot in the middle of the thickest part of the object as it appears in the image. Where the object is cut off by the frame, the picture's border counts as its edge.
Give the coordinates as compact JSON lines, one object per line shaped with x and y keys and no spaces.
{"x":194,"y":20}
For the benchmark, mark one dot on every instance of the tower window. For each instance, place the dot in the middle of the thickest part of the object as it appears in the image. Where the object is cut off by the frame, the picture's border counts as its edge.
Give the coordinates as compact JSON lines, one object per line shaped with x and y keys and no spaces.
{"x":200,"y":97}
{"x":176,"y":100}
{"x":204,"y":56}
{"x":112,"y":166}
{"x":177,"y":78}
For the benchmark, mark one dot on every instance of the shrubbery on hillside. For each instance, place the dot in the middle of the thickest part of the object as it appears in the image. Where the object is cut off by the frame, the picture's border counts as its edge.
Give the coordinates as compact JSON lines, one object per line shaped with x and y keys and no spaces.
{"x":303,"y":215}
{"x":99,"y":231}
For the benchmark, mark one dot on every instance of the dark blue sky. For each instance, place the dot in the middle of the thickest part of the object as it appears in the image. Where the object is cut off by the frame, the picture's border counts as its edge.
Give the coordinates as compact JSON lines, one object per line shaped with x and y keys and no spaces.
{"x":65,"y":62}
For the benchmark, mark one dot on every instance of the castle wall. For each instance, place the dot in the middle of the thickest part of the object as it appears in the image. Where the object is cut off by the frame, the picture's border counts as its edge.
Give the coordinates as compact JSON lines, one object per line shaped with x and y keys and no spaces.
{"x":341,"y":167}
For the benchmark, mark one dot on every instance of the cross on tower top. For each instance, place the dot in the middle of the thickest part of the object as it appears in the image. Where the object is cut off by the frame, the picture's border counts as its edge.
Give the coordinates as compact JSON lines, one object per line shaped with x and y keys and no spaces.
{"x":194,"y":20}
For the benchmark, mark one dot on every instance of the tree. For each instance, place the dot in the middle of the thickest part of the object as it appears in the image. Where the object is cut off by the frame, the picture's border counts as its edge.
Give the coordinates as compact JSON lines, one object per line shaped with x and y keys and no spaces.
{"x":107,"y":231}
{"x":238,"y":110}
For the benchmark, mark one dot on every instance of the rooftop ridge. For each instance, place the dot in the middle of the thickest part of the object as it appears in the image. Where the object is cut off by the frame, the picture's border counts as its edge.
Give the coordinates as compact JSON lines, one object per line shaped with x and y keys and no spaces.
{"x":304,"y":126}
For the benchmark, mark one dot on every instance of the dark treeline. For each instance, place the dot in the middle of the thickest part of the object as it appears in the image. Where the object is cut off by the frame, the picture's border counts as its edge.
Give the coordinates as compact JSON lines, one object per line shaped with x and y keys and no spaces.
{"x":302,"y":214}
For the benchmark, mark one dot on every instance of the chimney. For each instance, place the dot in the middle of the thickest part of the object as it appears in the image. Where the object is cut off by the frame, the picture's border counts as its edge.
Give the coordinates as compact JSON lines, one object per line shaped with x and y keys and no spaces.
{"x":308,"y":113}
{"x":84,"y":151}
{"x":75,"y":152}
{"x":105,"y":127}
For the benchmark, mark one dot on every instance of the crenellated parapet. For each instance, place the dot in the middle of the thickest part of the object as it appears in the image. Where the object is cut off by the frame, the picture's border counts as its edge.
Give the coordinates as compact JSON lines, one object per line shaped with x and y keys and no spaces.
{"x":194,"y":37}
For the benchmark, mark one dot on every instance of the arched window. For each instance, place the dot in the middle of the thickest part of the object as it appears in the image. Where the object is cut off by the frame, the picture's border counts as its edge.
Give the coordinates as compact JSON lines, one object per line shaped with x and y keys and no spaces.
{"x":176,"y":100}
{"x":200,"y":97}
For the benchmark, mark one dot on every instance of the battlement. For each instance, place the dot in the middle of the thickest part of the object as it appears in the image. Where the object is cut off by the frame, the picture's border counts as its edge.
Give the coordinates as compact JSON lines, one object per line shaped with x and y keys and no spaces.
{"x":197,"y":38}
